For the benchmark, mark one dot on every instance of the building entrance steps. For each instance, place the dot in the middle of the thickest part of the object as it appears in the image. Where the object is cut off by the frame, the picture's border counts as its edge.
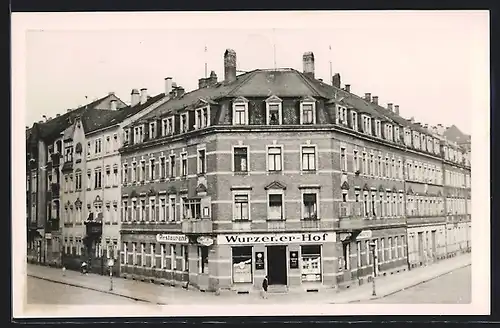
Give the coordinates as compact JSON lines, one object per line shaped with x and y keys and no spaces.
{"x":163,"y":295}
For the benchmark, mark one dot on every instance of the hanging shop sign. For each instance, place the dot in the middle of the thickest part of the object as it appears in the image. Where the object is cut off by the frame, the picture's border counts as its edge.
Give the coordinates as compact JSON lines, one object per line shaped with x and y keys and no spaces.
{"x":48,"y":235}
{"x":259,"y":260}
{"x":285,"y":238}
{"x":168,"y":238}
{"x":205,"y":241}
{"x":364,"y":234}
{"x":294,"y":260}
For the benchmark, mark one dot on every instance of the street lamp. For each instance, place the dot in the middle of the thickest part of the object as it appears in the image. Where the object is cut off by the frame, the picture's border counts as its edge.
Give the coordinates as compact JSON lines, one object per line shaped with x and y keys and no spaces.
{"x":374,"y":255}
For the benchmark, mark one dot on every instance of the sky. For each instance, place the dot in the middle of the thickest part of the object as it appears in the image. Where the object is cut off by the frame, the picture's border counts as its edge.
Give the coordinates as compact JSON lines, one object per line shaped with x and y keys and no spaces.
{"x":427,"y":62}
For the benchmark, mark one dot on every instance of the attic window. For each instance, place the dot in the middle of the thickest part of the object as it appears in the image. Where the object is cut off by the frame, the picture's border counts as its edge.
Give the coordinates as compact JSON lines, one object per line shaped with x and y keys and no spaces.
{"x":308,"y":112}
{"x":341,"y":115}
{"x":240,"y":111}
{"x":274,"y":111}
{"x":184,"y":123}
{"x":202,"y":117}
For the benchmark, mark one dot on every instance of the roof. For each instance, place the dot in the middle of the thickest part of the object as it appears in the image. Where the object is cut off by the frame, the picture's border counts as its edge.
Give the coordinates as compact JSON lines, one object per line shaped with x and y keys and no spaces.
{"x":454,"y":134}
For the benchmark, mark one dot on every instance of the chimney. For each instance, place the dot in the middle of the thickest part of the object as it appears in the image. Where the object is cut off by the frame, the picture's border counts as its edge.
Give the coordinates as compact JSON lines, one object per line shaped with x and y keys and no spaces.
{"x":178,"y":92}
{"x":321,"y":80}
{"x":57,"y":115}
{"x":212,"y":80}
{"x":308,"y":63}
{"x":336,"y":80}
{"x":111,"y":93}
{"x":347,"y":88}
{"x":144,"y":95}
{"x":202,"y":83}
{"x":389,"y":106}
{"x":113,"y":104}
{"x":412,"y":119}
{"x":68,"y":110}
{"x":368,"y":97}
{"x":229,"y":65}
{"x":396,"y":109}
{"x":375,"y":100}
{"x":134,"y":99}
{"x":168,"y":85}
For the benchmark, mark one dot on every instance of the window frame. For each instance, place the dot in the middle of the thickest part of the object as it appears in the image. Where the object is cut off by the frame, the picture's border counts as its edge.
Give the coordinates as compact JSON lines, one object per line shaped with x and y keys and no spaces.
{"x":315,"y":157}
{"x":274,"y":101}
{"x":308,"y":191}
{"x":281,"y":158}
{"x":233,"y":162}
{"x":236,"y":103}
{"x":313,"y":104}
{"x":273,"y":192}
{"x":235,"y":194}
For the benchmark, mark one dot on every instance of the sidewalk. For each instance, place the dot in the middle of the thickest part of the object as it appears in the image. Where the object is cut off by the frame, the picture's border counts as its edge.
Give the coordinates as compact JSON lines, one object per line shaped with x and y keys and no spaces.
{"x":163,"y":295}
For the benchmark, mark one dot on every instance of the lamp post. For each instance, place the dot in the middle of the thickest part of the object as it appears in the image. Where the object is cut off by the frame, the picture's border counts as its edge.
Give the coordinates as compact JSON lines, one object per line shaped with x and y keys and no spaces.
{"x":110,"y":266}
{"x":374,"y":255}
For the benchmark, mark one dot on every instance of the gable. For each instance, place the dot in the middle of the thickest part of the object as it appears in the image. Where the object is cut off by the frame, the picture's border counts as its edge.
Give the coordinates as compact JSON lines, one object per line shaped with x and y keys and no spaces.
{"x":275,"y":185}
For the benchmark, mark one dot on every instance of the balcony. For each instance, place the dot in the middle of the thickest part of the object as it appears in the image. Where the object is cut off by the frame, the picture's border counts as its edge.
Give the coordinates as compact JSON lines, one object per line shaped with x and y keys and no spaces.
{"x":351,"y":218}
{"x":197,"y":226}
{"x":52,"y":225}
{"x":67,"y":166}
{"x":155,"y":226}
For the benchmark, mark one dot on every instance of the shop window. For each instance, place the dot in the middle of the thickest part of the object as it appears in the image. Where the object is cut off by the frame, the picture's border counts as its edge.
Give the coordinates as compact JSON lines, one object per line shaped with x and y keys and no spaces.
{"x":173,"y":257}
{"x":311,"y":263}
{"x":185,"y":258}
{"x":242,"y":264}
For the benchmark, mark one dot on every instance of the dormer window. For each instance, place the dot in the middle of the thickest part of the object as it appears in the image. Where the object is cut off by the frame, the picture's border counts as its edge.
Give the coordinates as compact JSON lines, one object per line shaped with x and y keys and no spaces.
{"x":416,"y":140}
{"x":274,"y":111}
{"x":436,"y":146}
{"x":184,"y":123}
{"x":126,"y":136}
{"x":170,"y":125}
{"x":396,"y":134}
{"x":378,"y":128}
{"x":308,"y":110}
{"x":388,"y":132}
{"x":164,"y":128}
{"x":152,"y":130}
{"x":354,"y":120}
{"x":367,"y":124}
{"x":240,"y":111}
{"x":429,"y":144}
{"x":423,"y":144}
{"x":202,"y":117}
{"x":341,"y":115}
{"x":138,"y":134}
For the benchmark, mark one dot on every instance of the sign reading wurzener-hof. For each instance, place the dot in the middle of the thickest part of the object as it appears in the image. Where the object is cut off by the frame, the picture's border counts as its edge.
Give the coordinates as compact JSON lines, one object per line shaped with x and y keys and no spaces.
{"x":282,"y":238}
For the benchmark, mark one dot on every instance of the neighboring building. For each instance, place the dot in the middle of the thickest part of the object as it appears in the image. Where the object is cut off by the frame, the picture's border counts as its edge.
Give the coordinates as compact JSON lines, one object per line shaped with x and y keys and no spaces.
{"x":44,"y":148}
{"x":91,"y":181}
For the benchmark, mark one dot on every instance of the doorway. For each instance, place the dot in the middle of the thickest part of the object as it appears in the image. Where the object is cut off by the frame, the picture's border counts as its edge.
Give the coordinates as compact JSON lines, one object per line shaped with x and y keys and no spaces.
{"x":276,"y":265}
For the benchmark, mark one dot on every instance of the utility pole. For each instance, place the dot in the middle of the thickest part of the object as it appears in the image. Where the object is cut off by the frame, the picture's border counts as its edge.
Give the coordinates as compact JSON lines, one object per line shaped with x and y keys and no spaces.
{"x":330,"y":56}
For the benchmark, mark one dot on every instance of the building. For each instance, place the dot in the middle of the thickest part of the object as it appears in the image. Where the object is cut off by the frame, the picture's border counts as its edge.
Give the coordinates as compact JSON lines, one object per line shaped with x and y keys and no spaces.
{"x":91,"y":192}
{"x":45,"y":156}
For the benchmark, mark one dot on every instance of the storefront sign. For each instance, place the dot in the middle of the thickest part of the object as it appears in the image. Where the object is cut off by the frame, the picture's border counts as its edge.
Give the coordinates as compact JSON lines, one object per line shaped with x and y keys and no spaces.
{"x":48,"y":235}
{"x":167,"y":238}
{"x":285,"y":238}
{"x":294,"y":260}
{"x":259,"y":260}
{"x":205,"y":241}
{"x":364,"y":234}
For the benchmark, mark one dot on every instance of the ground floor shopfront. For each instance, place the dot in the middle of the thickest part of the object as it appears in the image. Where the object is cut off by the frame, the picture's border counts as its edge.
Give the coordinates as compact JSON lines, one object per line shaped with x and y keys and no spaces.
{"x":45,"y":249}
{"x":360,"y":250}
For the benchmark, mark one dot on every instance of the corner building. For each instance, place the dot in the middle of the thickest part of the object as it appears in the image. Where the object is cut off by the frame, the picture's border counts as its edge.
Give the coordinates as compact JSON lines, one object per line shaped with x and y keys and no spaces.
{"x":271,"y":172}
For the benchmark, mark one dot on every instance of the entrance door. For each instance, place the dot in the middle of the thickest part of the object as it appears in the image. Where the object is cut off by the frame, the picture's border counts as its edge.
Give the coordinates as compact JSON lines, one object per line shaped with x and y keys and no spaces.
{"x":433,"y":242}
{"x":276,"y":265}
{"x":420,"y":246}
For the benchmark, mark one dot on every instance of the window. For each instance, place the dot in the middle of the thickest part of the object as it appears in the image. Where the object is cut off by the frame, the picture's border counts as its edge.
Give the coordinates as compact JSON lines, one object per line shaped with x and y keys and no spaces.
{"x":98,"y":146}
{"x":354,"y":121}
{"x":107,"y":146}
{"x":378,"y":128}
{"x":68,"y":156}
{"x":152,"y":209}
{"x":152,"y":169}
{"x":152,"y":130}
{"x":356,"y":161}
{"x":308,"y":113}
{"x":185,"y":258}
{"x":274,"y":158}
{"x":346,"y":254}
{"x":202,"y":120}
{"x":107,"y":178}
{"x":184,"y":126}
{"x":163,"y":256}
{"x":240,"y":158}
{"x":311,"y":263}
{"x":389,"y":253}
{"x":396,"y":134}
{"x":173,"y":257}
{"x":98,"y":178}
{"x":274,"y":116}
{"x":310,"y":206}
{"x":365,"y":164}
{"x":240,"y":112}
{"x":126,"y":137}
{"x":78,"y":181}
{"x":241,"y":208}
{"x":275,"y":207}
{"x":201,"y":161}
{"x":135,"y":176}
{"x":341,"y":115}
{"x":242,"y":264}
{"x":163,"y":209}
{"x":163,"y":168}
{"x":142,"y":172}
{"x":89,"y":148}
{"x":115,"y":175}
{"x":191,"y":208}
{"x":142,"y":213}
{"x":171,"y":210}
{"x":172,"y":166}
{"x":89,"y":179}
{"x":184,"y":167}
{"x":170,"y":126}
{"x":358,"y":253}
{"x":372,"y":165}
{"x":308,"y":158}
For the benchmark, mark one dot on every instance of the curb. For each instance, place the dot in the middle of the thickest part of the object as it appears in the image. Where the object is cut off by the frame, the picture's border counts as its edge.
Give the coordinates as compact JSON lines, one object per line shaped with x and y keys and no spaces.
{"x":137,"y":299}
{"x":407,"y":287}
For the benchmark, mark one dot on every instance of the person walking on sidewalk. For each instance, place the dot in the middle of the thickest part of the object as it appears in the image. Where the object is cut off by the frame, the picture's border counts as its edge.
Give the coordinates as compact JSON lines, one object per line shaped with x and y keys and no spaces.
{"x":265,"y":284}
{"x":84,"y":267}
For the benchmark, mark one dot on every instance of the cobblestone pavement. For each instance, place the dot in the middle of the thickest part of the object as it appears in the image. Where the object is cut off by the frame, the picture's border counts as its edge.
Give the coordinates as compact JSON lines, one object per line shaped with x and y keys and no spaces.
{"x":162,"y":295}
{"x":46,"y":292}
{"x":452,"y":288}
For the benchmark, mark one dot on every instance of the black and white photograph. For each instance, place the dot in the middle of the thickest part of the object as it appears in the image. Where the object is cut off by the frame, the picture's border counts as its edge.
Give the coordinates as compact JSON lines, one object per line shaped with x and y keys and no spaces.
{"x":250,"y":163}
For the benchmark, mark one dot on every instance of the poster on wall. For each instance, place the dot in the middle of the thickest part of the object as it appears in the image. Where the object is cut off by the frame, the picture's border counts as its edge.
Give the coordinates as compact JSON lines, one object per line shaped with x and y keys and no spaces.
{"x":259,"y":260}
{"x":242,"y":271}
{"x":294,"y":260}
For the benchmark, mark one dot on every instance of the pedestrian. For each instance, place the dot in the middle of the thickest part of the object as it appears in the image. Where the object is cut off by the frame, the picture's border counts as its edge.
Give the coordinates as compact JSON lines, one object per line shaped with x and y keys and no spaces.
{"x":64,"y":271}
{"x":265,"y":284}
{"x":84,"y":267}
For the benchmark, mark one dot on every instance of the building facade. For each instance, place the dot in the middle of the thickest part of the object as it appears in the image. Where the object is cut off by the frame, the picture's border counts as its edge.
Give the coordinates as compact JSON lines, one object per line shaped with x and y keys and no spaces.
{"x":91,"y":182}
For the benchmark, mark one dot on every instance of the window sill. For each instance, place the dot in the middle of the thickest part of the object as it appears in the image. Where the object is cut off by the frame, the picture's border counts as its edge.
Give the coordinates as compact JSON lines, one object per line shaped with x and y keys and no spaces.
{"x":241,"y":221}
{"x":240,"y":172}
{"x":309,"y":171}
{"x":201,"y":174}
{"x":275,"y":172}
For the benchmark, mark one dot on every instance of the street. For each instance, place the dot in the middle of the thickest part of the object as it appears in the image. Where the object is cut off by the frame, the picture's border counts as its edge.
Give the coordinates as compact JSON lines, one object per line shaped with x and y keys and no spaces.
{"x":46,"y":292}
{"x":452,"y":288}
